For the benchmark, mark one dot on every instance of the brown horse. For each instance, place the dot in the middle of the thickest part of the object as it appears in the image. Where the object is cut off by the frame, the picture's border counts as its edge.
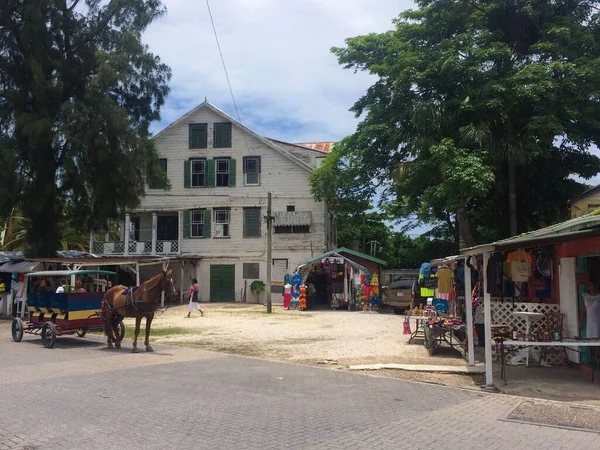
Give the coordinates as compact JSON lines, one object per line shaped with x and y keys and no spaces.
{"x":142,"y":301}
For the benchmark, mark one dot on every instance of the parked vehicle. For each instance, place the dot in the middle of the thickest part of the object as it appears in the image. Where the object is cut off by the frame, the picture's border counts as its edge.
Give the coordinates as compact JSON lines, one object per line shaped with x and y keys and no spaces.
{"x":401,"y":292}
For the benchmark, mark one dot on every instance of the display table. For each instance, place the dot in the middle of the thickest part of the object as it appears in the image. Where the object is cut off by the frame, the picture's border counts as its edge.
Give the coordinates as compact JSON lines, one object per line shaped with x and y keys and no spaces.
{"x":436,"y":335}
{"x":568,"y":343}
{"x":419,"y":329}
{"x":529,"y":317}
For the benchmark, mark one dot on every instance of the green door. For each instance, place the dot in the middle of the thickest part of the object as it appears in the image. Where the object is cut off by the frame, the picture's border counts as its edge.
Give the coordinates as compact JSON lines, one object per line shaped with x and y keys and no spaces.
{"x":222,"y":283}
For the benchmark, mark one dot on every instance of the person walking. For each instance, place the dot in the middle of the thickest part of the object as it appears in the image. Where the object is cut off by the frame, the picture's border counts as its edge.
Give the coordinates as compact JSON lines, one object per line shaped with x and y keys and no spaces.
{"x":194,"y":303}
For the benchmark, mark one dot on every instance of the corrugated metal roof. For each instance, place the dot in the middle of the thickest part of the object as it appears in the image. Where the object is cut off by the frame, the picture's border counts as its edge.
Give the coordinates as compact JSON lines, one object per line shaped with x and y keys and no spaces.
{"x":19,"y":266}
{"x":361,"y":255}
{"x":323,"y":146}
{"x":292,"y":218}
{"x":573,"y":228}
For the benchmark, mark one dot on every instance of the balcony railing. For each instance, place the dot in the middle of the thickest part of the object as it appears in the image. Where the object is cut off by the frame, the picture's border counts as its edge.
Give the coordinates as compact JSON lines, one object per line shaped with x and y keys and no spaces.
{"x":137,"y":248}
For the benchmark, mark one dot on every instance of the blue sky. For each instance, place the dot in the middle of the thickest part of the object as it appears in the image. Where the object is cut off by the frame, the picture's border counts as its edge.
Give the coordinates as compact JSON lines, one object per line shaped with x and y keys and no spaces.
{"x":287,"y":83}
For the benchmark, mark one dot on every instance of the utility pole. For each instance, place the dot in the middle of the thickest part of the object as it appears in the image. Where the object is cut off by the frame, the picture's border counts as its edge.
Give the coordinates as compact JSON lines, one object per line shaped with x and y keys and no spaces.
{"x":269,"y":250}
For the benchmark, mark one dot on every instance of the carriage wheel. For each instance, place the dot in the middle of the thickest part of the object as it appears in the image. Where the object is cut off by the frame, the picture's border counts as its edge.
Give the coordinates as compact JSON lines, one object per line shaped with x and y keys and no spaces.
{"x":121,"y":334}
{"x":17,"y":329}
{"x":81,"y":332}
{"x":49,"y":335}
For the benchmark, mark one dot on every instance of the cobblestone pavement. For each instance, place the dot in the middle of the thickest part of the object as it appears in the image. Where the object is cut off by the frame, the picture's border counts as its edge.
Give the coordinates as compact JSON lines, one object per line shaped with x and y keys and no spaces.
{"x":81,"y":396}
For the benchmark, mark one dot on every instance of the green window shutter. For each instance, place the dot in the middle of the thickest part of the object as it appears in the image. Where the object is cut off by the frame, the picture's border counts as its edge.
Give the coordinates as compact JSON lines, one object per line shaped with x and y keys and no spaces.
{"x":222,"y":135}
{"x":186,"y":173}
{"x":207,"y":223}
{"x":198,"y":135}
{"x":232,"y":173}
{"x":210,"y":173}
{"x":186,"y":224}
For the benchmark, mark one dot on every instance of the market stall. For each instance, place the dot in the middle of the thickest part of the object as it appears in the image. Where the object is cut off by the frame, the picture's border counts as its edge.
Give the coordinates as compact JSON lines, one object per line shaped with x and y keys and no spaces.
{"x":335,"y":281}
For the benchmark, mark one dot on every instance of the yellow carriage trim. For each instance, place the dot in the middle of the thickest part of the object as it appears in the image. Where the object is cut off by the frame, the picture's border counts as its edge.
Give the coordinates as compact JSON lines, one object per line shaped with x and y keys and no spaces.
{"x":78,"y":315}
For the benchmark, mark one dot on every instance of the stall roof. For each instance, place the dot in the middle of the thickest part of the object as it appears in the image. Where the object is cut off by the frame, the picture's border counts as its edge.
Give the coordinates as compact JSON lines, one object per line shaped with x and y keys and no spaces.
{"x":581,"y":227}
{"x":19,"y":266}
{"x":361,"y":255}
{"x":333,"y":253}
{"x":447,"y":259}
{"x":68,"y":273}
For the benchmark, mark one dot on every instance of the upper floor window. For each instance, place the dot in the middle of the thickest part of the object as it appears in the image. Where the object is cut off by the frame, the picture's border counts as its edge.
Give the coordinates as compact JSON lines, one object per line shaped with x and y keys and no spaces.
{"x":251,"y":222}
{"x":197,"y":223}
{"x":222,"y":135}
{"x":293,"y":229}
{"x":198,"y":135}
{"x":163,"y":165}
{"x":221,"y":222}
{"x":222,"y":172}
{"x":251,"y":170}
{"x":198,"y":172}
{"x":291,"y":208}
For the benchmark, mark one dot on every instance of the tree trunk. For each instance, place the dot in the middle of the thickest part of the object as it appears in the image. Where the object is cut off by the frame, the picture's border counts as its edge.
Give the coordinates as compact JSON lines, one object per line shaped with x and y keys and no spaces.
{"x":465,"y":236}
{"x":512,"y":197}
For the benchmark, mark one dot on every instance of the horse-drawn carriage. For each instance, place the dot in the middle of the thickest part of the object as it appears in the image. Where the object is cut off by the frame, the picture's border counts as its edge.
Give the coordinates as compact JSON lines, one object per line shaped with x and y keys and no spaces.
{"x":54,"y":314}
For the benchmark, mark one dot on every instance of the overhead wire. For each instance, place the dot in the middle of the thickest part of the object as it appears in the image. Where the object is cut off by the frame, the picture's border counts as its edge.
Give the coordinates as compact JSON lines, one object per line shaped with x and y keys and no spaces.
{"x":237,"y":112}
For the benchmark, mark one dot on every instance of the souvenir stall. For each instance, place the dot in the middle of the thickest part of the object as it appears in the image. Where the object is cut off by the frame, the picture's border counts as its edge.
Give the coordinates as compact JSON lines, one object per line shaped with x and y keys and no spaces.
{"x":331,"y":281}
{"x":441,"y":320}
{"x":535,"y":289}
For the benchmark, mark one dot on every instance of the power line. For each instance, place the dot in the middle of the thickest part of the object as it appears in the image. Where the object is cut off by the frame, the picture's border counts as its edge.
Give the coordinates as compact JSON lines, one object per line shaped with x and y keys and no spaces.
{"x":237,"y":112}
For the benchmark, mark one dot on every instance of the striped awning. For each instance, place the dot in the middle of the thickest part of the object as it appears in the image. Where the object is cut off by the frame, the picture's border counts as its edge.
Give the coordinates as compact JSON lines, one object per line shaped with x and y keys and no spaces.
{"x":292,"y":218}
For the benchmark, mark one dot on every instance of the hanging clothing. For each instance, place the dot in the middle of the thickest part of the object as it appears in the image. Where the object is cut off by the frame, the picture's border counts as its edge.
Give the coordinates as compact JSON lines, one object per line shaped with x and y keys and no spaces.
{"x":459,"y":274}
{"x":287,"y":295}
{"x":425,"y":270}
{"x":494,"y":275}
{"x":445,"y":276}
{"x":425,"y":292}
{"x":592,"y":306}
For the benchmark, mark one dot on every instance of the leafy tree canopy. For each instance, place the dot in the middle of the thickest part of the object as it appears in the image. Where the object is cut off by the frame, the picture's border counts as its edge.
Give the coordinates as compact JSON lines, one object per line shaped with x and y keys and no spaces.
{"x":481,"y":112}
{"x":78,"y":91}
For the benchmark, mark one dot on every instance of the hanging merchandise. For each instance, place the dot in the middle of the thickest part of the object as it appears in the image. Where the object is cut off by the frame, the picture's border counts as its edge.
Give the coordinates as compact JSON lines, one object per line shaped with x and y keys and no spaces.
{"x":302,"y":300}
{"x":407,"y":326}
{"x":445,"y":276}
{"x":520,"y":266}
{"x":374,"y":290}
{"x":287,"y":295}
{"x":327,"y":264}
{"x":495,"y":275}
{"x":296,"y":282}
{"x":287,"y":278}
{"x":425,"y":270}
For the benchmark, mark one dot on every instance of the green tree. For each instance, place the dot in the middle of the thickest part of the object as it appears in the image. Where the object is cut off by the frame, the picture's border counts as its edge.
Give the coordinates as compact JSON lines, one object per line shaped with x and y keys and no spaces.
{"x":507,"y":87}
{"x":77,"y":94}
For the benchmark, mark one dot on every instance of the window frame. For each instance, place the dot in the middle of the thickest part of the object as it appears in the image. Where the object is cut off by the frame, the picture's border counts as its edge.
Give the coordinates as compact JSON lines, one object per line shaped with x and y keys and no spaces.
{"x":246,"y":268}
{"x":222,"y":174}
{"x":160,"y":163}
{"x":292,"y":229}
{"x":193,"y":223}
{"x":203,"y":173}
{"x":257,"y":171}
{"x":245,"y":226}
{"x":217,"y":221}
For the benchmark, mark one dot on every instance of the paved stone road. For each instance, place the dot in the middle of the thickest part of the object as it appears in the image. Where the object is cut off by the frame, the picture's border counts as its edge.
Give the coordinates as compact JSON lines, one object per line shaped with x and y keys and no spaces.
{"x":81,"y":396}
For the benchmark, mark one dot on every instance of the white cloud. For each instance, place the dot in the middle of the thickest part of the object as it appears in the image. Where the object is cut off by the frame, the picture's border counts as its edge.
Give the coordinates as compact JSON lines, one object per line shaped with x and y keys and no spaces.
{"x":286,"y":82}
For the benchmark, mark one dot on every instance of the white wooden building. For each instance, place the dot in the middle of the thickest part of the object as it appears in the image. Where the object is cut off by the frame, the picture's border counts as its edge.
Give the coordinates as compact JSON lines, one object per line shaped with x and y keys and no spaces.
{"x":220,"y":172}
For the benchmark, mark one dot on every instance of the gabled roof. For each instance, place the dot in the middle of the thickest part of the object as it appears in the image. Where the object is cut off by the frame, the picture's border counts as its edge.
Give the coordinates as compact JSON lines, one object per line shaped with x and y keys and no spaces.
{"x":361,"y":255}
{"x":585,"y":193}
{"x":267,"y":142}
{"x":333,"y":253}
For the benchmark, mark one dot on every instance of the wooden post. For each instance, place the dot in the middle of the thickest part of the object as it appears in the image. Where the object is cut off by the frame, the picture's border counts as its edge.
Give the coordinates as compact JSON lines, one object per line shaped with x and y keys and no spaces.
{"x":487,"y":319}
{"x":154,"y":229}
{"x":180,"y":234}
{"x":469,"y":311}
{"x":127,"y":233}
{"x":269,"y":251}
{"x":182,"y":283}
{"x":137,"y":274}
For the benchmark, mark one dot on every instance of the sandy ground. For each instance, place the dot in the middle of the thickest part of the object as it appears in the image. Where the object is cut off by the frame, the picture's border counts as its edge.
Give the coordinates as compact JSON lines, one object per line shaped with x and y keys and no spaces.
{"x":333,"y":338}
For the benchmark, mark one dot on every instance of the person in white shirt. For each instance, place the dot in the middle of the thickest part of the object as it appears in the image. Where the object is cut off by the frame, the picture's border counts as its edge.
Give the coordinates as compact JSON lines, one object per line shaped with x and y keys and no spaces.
{"x":61,"y":288}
